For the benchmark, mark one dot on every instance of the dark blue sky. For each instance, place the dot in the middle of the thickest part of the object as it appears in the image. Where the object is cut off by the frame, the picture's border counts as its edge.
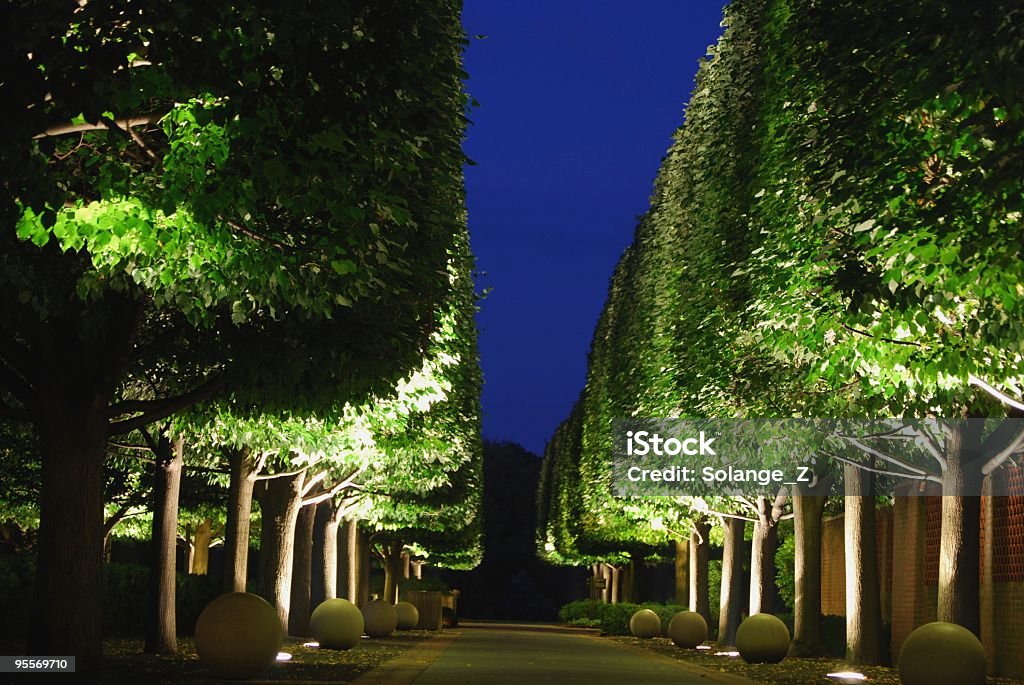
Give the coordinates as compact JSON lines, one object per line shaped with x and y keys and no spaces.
{"x":578,"y":102}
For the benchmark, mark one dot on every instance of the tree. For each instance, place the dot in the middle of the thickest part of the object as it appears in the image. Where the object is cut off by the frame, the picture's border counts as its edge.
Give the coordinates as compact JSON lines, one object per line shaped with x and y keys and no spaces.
{"x":146,"y":180}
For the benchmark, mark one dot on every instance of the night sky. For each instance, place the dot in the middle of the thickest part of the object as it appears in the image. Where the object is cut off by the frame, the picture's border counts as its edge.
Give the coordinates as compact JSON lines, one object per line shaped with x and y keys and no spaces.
{"x":578,"y":102}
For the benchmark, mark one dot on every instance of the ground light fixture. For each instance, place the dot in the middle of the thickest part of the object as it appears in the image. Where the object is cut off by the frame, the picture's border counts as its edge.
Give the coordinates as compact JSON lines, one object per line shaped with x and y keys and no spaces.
{"x":284,"y":656}
{"x":727,"y":653}
{"x":848,"y":677}
{"x":311,"y":645}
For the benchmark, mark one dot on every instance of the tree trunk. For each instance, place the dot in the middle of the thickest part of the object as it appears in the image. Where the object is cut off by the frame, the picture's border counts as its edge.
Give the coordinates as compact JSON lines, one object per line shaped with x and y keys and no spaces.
{"x":67,"y":613}
{"x":763,"y":545}
{"x":161,"y":621}
{"x":700,"y":552}
{"x":960,"y":538}
{"x":732,"y":582}
{"x":614,"y":584}
{"x":627,"y":593}
{"x":357,"y":563}
{"x":325,"y":557}
{"x":863,"y":606}
{"x":682,"y":568}
{"x":406,"y":566}
{"x":808,"y":506}
{"x":302,"y":572}
{"x":392,"y":558}
{"x":280,"y":500}
{"x":239,"y":513}
{"x":417,"y":570}
{"x":201,"y":547}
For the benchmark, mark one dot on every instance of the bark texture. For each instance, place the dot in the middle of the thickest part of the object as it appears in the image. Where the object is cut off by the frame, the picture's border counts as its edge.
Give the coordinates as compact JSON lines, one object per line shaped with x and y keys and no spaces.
{"x":239,"y":513}
{"x":808,"y":506}
{"x":67,"y":620}
{"x":960,"y":538}
{"x":700,"y":551}
{"x":280,"y":500}
{"x":302,"y":573}
{"x":764,"y":543}
{"x":357,"y":563}
{"x":863,"y":608}
{"x":682,"y":572}
{"x":732,"y":582}
{"x":201,"y":540}
{"x":391,"y":555}
{"x":161,"y":620}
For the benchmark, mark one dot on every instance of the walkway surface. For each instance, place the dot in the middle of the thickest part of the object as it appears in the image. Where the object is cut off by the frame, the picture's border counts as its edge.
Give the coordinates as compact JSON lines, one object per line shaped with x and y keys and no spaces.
{"x":514,"y":656}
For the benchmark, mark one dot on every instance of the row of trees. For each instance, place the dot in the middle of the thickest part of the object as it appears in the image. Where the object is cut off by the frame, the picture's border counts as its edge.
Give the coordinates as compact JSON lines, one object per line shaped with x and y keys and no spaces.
{"x":235,"y":243}
{"x":835,"y":231}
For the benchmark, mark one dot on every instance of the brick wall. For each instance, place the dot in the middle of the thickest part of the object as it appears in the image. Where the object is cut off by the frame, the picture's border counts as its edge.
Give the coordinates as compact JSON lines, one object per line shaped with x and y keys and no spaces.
{"x":1002,"y":577}
{"x":908,"y":562}
{"x":833,"y":568}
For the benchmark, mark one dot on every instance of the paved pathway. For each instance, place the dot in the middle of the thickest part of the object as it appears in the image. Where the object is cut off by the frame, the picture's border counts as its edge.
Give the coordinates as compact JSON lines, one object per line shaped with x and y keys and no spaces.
{"x":498,"y":656}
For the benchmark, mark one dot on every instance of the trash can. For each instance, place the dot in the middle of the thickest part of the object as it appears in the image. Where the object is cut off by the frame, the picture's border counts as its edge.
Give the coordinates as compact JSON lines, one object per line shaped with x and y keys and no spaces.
{"x":428,"y":604}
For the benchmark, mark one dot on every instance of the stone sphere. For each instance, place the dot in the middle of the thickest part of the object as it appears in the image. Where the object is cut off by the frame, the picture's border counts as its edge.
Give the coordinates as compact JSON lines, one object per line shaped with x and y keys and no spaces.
{"x":688,"y":629}
{"x":380,"y":618}
{"x":238,"y":635}
{"x":337,"y":624}
{"x":645,"y":624}
{"x":408,"y":615}
{"x":762,"y":639}
{"x":942,"y":654}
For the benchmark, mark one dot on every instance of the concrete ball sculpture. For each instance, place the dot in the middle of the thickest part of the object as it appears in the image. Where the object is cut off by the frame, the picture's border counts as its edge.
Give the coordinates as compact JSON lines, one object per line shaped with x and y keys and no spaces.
{"x":238,"y":635}
{"x":762,"y":639}
{"x":337,"y":624}
{"x":645,"y":624}
{"x":408,"y":615}
{"x":380,"y":618}
{"x":688,"y":629}
{"x":942,"y":654}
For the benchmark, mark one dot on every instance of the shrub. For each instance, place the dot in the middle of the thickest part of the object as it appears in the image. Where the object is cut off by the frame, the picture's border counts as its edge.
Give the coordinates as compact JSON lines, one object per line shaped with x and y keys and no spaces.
{"x":16,"y":581}
{"x":664,"y":611}
{"x":613,"y":619}
{"x":194,"y":593}
{"x":580,"y":609}
{"x":833,"y":635}
{"x":125,"y":587}
{"x":785,"y":567}
{"x":714,"y":595}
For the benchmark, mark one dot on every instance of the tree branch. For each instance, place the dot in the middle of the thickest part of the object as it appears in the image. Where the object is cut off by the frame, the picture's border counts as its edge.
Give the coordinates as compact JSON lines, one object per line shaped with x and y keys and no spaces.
{"x":931,"y":445}
{"x":994,"y":392}
{"x":311,"y":483}
{"x":875,"y":337}
{"x":283,"y":474}
{"x":1012,"y":446}
{"x":156,"y":410}
{"x":885,"y":457}
{"x":722,"y":514}
{"x":926,"y":476}
{"x":127,"y":123}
